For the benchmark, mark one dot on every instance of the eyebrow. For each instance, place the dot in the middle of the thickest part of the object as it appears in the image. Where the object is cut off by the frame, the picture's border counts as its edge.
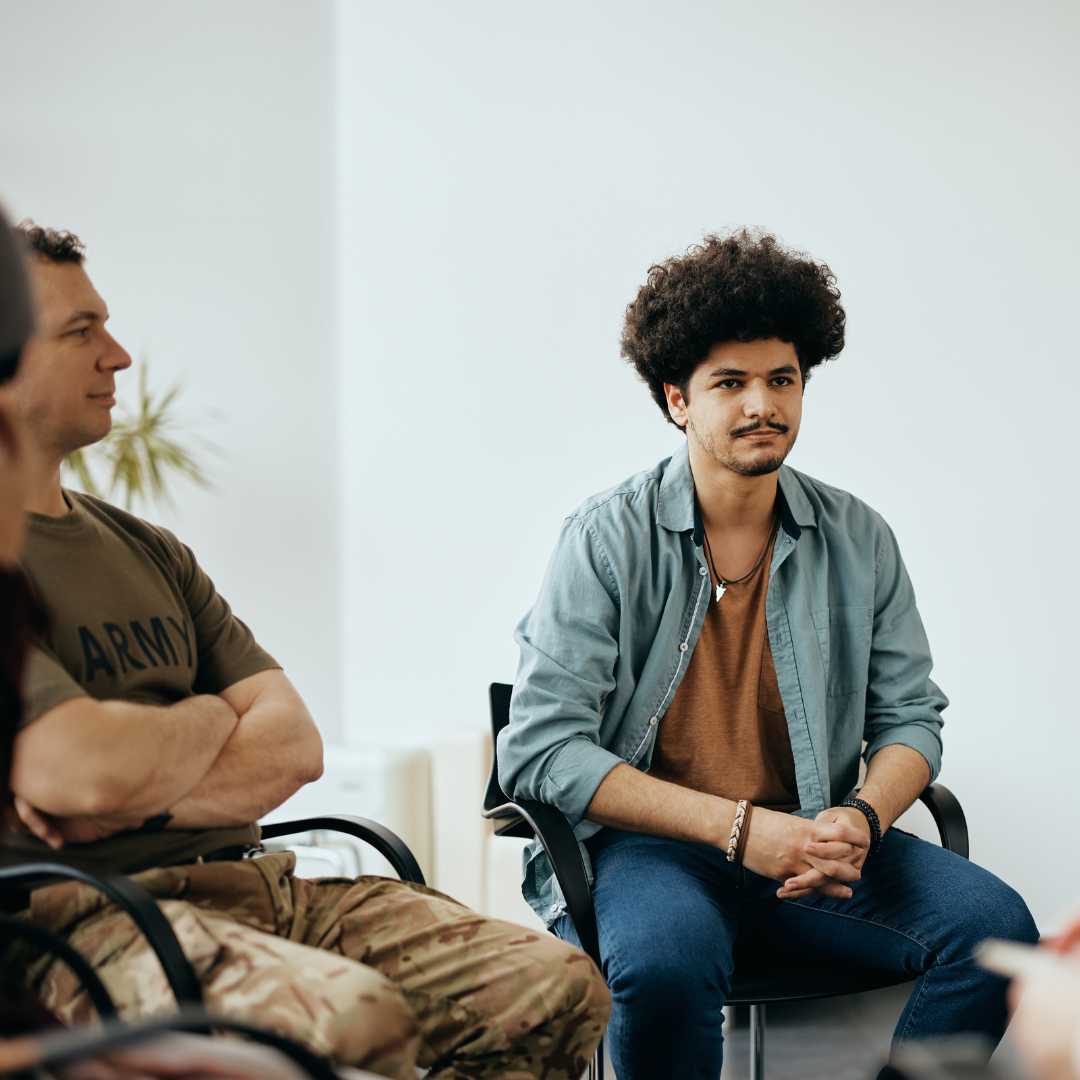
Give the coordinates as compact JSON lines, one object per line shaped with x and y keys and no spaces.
{"x":727,"y":372}
{"x":82,"y":316}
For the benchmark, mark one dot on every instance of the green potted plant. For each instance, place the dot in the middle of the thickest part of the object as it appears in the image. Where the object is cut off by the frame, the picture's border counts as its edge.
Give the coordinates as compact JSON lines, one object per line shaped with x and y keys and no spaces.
{"x":141,"y":455}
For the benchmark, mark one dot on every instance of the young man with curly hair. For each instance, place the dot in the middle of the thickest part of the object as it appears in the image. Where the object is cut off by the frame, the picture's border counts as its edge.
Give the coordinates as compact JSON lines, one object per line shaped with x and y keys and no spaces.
{"x":716,"y":642}
{"x":156,"y":732}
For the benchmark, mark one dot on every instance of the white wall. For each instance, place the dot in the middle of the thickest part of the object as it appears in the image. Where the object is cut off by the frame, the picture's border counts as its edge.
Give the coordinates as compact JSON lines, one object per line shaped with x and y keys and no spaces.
{"x":507,"y":175}
{"x":504,"y":176}
{"x":192,"y":147}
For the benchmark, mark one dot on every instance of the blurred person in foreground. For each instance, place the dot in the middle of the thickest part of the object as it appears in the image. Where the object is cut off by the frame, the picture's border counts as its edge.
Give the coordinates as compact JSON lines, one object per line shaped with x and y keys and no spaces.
{"x":16,"y":607}
{"x":717,"y":641}
{"x":1044,"y":1032}
{"x":1046,"y":1018}
{"x":156,"y":732}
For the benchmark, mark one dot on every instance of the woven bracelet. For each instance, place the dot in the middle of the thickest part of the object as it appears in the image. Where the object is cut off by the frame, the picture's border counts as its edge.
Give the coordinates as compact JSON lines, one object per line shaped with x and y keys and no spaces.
{"x":744,"y":834}
{"x":736,"y":829}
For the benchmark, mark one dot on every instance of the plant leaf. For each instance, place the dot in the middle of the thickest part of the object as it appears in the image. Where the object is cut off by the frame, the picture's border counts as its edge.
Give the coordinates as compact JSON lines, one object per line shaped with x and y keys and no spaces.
{"x":139,"y":458}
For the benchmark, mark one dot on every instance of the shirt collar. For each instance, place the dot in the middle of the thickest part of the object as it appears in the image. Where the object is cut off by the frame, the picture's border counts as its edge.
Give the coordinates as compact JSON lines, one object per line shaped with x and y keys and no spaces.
{"x":677,"y":507}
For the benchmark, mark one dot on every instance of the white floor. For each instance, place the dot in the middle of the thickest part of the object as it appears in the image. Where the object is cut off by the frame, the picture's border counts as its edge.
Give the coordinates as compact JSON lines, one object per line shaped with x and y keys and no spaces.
{"x":833,"y":1039}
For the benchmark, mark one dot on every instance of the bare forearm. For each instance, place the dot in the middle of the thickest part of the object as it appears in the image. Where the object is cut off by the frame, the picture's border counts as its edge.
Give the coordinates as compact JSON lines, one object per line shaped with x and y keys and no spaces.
{"x":117,"y":758}
{"x":630,"y":799}
{"x":272,"y":754}
{"x":895,"y":778}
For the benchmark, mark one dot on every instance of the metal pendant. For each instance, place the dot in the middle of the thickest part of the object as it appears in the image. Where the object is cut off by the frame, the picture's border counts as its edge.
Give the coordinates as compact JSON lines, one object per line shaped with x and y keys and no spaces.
{"x":721,"y":588}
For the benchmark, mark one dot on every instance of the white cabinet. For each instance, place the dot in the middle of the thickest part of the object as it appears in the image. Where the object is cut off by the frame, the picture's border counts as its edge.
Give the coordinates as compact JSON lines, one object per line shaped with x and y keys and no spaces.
{"x":389,"y":785}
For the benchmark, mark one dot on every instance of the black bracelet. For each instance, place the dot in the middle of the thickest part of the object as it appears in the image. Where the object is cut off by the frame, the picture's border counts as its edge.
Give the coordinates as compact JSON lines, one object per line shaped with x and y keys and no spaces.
{"x":870,"y":814}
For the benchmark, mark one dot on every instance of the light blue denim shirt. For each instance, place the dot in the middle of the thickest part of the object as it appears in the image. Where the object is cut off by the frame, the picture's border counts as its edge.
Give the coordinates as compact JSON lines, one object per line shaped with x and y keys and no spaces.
{"x":620,"y":611}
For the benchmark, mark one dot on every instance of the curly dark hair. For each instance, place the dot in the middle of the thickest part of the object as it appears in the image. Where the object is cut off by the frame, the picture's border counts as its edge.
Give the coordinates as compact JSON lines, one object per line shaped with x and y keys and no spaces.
{"x":56,"y":245}
{"x":741,"y":287}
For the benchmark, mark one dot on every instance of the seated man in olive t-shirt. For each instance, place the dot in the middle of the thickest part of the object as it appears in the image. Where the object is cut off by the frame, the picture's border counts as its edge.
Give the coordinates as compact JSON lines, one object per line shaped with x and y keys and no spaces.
{"x":147,"y":628}
{"x":157,"y":732}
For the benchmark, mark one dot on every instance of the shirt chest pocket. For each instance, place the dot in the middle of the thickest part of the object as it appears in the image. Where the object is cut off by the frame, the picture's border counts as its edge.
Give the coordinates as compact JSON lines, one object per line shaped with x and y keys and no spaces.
{"x":843,"y":634}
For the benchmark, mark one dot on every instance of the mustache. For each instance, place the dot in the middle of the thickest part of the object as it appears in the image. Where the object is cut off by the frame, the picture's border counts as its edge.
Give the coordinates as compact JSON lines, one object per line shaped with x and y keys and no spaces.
{"x":781,"y":428}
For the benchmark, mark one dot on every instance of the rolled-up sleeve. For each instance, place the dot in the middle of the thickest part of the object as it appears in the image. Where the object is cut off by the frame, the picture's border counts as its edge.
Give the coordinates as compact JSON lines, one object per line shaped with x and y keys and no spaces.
{"x":568,"y":643}
{"x":903,"y":704}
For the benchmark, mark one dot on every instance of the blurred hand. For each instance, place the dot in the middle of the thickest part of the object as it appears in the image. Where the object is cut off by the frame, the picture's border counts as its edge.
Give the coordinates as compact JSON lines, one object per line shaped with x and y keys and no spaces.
{"x":1046,"y":1021}
{"x":14,"y":487}
{"x":1068,"y":941}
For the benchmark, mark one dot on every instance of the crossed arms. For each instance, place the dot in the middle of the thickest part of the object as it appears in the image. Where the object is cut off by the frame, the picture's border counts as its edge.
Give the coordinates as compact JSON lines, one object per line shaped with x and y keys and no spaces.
{"x":87,"y":768}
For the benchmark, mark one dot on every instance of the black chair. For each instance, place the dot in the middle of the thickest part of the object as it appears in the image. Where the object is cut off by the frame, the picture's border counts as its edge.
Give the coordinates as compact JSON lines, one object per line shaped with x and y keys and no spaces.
{"x":55,"y":1045}
{"x":760,"y":979}
{"x":15,"y":885}
{"x":387,"y":843}
{"x":131,"y":896}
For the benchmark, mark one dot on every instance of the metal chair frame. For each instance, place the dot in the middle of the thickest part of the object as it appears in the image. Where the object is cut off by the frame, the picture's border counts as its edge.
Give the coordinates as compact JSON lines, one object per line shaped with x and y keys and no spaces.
{"x":131,"y":896}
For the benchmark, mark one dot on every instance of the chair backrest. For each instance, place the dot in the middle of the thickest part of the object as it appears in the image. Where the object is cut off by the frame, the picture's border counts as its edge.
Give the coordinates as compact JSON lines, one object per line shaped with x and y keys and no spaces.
{"x":499,"y":702}
{"x":509,"y":824}
{"x":23,"y":1012}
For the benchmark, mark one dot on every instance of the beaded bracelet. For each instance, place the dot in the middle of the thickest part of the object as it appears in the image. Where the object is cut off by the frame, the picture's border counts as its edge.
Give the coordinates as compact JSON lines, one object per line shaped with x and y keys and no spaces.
{"x":736,"y":828}
{"x":870,"y":814}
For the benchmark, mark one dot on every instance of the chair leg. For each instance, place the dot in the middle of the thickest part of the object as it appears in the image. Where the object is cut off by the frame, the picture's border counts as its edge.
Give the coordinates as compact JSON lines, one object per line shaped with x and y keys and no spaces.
{"x":757,"y":1042}
{"x":596,"y":1066}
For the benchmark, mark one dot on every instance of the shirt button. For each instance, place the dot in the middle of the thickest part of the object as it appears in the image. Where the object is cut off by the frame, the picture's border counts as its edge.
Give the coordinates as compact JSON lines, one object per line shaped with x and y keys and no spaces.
{"x":682,"y":646}
{"x":653,"y":720}
{"x":702,"y":571}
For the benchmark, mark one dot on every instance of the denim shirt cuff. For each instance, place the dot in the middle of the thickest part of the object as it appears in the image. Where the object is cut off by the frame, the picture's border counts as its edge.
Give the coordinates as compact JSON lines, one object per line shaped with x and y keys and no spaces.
{"x":576,"y":771}
{"x":914,"y":736}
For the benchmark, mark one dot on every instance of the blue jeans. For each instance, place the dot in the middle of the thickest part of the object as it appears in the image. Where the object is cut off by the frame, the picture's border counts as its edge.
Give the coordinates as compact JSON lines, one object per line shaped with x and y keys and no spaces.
{"x":668,"y":914}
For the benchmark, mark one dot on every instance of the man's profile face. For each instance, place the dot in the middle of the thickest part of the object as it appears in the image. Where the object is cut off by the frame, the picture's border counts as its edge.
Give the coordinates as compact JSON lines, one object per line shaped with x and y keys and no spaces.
{"x":743,"y":404}
{"x":65,"y":390}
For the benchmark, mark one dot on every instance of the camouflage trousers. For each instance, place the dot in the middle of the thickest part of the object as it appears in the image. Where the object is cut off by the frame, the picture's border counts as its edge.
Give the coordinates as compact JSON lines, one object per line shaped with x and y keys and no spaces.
{"x":376,"y":973}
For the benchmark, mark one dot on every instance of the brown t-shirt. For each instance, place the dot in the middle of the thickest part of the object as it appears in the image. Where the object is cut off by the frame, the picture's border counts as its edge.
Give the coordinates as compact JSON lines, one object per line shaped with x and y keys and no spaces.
{"x":725,"y":731}
{"x":132,"y":617}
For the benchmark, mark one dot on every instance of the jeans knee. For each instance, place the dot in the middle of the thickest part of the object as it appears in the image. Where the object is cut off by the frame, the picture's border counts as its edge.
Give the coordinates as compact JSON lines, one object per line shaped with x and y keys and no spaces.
{"x":1012,"y":918}
{"x":998,"y":911}
{"x":667,"y":988}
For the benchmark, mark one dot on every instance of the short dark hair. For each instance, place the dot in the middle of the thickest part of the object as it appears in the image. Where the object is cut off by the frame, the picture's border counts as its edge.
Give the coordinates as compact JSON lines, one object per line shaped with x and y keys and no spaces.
{"x":740,"y":287}
{"x":56,"y":245}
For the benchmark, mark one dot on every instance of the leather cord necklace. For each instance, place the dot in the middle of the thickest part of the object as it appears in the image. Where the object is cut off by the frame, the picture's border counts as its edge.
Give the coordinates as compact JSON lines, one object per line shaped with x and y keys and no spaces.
{"x":723,"y":583}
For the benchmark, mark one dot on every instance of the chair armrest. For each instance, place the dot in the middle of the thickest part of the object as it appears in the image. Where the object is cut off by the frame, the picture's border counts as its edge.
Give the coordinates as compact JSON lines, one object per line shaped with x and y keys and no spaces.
{"x":386,"y":842}
{"x":948,"y":816}
{"x":65,"y":1046}
{"x":50,"y":943}
{"x":131,"y":897}
{"x":551,"y":828}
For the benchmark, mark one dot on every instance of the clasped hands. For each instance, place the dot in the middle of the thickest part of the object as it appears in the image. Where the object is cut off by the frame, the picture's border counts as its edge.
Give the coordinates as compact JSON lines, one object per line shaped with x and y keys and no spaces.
{"x":823,"y":856}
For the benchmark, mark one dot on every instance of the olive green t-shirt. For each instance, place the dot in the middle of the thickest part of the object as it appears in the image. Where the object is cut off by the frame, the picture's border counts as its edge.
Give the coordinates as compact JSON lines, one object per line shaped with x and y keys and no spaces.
{"x":132,"y":617}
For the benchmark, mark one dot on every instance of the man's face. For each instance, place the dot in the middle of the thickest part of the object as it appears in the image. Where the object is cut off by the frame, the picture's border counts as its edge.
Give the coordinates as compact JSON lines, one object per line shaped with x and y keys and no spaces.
{"x":66,"y":386}
{"x":743,"y":404}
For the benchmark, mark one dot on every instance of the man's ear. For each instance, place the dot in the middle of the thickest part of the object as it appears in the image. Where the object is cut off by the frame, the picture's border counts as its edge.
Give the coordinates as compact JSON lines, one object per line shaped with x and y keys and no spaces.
{"x":676,"y":404}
